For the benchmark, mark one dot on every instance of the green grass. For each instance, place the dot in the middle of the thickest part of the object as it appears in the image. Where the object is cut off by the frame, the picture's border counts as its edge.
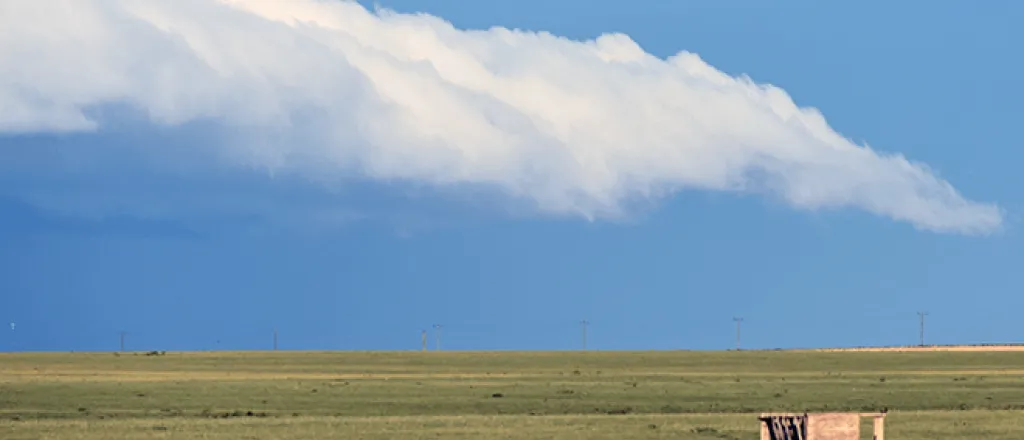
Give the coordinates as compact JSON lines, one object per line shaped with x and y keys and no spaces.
{"x":500,"y":395}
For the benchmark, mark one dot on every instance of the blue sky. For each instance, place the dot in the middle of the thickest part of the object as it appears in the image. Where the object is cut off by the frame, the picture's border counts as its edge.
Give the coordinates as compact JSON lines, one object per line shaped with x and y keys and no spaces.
{"x":138,"y":226}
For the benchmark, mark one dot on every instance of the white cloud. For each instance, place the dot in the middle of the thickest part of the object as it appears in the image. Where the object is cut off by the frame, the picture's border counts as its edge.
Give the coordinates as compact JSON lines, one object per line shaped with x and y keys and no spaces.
{"x":327,"y":89}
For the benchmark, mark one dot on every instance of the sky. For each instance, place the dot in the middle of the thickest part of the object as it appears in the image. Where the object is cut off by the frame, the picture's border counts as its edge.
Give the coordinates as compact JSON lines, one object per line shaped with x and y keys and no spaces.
{"x":199,"y":174}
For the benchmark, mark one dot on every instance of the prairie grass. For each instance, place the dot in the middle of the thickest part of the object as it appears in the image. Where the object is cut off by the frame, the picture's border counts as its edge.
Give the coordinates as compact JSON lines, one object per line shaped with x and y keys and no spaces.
{"x":513,"y":395}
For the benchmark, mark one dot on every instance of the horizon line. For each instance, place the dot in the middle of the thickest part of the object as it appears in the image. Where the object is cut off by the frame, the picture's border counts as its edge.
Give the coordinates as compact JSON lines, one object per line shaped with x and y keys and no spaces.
{"x":979,"y":347}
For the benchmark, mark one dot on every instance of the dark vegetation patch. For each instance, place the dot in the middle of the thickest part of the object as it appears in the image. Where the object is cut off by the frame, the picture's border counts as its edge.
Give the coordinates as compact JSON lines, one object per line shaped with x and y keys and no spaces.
{"x":236,"y":413}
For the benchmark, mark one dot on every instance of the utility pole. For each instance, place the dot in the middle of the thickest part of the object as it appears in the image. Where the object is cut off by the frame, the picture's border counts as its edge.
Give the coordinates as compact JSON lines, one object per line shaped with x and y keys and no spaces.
{"x":122,"y":339}
{"x":437,"y":337}
{"x":921,"y":316}
{"x":423,"y":336}
{"x":584,"y":323}
{"x":739,"y":321}
{"x":275,"y":339}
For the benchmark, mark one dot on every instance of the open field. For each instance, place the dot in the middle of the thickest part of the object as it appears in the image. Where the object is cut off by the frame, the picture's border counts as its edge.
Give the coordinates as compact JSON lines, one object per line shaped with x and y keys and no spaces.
{"x":513,"y":395}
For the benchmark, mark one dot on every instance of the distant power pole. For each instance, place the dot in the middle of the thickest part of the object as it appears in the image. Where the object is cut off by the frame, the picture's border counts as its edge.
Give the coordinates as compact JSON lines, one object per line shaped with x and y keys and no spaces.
{"x":423,"y":336}
{"x":122,"y":339}
{"x":921,"y":316}
{"x":584,"y":323}
{"x":275,"y":339}
{"x":739,"y":321}
{"x":437,"y":337}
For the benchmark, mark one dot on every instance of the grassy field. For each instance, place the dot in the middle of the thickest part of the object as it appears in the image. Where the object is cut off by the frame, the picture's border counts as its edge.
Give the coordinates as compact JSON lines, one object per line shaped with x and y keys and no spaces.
{"x":512,"y":395}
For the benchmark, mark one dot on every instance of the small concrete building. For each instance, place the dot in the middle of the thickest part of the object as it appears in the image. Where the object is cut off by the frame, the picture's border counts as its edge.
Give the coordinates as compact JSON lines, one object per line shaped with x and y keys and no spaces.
{"x":818,"y":426}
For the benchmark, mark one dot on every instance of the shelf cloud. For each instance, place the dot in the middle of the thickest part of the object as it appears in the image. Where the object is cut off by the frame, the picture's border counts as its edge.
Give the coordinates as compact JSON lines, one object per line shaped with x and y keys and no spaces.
{"x":329,"y":90}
